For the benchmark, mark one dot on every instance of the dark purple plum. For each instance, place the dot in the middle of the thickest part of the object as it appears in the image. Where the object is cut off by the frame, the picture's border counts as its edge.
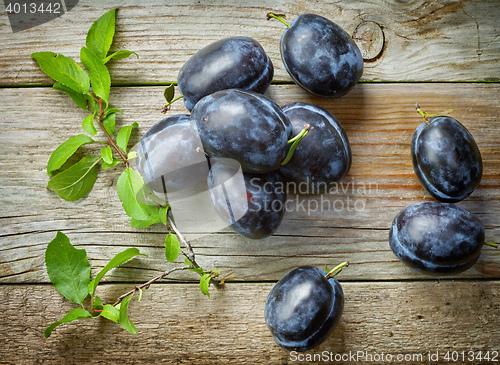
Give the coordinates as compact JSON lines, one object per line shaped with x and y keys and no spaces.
{"x":244,"y":126}
{"x":235,"y":62}
{"x":167,"y":156}
{"x":252,"y":204}
{"x":323,"y":156}
{"x":303,"y":308}
{"x":320,"y":56}
{"x":436,"y":238}
{"x":446,"y":159}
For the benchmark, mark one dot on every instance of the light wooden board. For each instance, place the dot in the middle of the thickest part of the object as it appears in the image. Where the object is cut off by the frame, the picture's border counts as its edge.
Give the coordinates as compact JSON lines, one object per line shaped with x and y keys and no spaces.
{"x":447,"y":40}
{"x":433,"y":52}
{"x":351,"y":225}
{"x":177,"y":325}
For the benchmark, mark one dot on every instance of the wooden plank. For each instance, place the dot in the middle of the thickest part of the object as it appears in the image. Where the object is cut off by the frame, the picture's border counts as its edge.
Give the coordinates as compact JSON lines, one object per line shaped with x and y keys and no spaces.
{"x":379,"y":120}
{"x":448,"y":40}
{"x":177,"y":324}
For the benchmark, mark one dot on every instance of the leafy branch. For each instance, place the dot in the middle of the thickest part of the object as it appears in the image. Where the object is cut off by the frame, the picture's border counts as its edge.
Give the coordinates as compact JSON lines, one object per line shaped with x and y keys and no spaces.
{"x":67,"y":267}
{"x":90,"y":90}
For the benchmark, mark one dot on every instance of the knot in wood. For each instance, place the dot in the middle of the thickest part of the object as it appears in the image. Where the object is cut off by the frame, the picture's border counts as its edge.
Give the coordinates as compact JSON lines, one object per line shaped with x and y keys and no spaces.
{"x":370,"y":39}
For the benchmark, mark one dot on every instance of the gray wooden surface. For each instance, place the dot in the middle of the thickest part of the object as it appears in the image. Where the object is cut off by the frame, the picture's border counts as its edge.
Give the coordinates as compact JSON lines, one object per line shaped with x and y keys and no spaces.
{"x":437,"y":53}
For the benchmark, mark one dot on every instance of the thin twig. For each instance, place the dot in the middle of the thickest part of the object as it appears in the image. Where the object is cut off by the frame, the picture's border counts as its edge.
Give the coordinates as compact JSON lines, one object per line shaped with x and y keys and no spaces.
{"x":190,"y":253}
{"x":182,"y":239}
{"x":146,"y":285}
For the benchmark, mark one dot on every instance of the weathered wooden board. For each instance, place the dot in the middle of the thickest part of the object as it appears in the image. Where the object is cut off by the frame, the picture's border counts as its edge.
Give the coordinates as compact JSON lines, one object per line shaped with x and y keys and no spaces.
{"x":177,"y":325}
{"x":423,"y":40}
{"x":341,"y":225}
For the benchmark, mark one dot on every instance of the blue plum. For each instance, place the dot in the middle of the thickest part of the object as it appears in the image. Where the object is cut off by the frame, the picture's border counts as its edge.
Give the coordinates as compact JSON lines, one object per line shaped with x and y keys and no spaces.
{"x":320,"y":56}
{"x":168,"y":157}
{"x":303,"y":308}
{"x":242,"y":125}
{"x":252,"y":204}
{"x":235,"y":62}
{"x":323,"y":156}
{"x":436,"y":238}
{"x":446,"y":159}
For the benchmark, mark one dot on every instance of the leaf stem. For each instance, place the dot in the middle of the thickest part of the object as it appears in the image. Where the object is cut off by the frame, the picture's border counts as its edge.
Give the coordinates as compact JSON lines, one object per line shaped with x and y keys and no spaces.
{"x":336,"y":270}
{"x":280,"y":17}
{"x":111,"y":142}
{"x":495,"y":245}
{"x":295,"y":141}
{"x":166,"y":107}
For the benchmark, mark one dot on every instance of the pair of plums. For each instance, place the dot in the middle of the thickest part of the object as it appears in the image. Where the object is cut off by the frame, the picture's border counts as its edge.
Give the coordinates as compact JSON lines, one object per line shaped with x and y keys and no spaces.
{"x":441,"y":238}
{"x":318,"y":55}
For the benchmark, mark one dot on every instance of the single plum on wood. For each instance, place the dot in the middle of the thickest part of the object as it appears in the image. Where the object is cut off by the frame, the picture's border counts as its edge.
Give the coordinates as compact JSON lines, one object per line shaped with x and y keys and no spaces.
{"x":234,"y":62}
{"x":436,"y":238}
{"x":303,"y":308}
{"x":446,"y":159}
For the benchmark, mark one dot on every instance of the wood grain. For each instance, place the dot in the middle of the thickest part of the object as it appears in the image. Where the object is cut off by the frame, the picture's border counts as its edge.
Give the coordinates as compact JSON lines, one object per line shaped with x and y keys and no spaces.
{"x":318,"y":229}
{"x":424,"y":40}
{"x":177,"y":325}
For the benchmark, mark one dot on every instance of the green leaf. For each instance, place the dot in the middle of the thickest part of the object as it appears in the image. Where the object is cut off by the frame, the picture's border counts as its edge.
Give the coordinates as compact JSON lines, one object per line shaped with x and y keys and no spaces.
{"x":109,"y":123}
{"x":163,"y":214}
{"x":198,"y":270}
{"x":118,"y":260}
{"x":88,"y":125}
{"x":140,"y":295}
{"x":98,"y":72}
{"x":65,"y":151}
{"x":76,"y":182}
{"x":68,"y":268}
{"x":169,"y":93}
{"x":151,"y":196}
{"x":107,"y":155}
{"x":129,"y":187}
{"x":72,"y":315}
{"x":64,"y":70}
{"x":100,"y":35}
{"x":131,"y":155}
{"x":84,"y":101}
{"x":119,"y":55}
{"x":205,"y":283}
{"x":136,"y":223}
{"x":125,"y":322}
{"x":172,"y":247}
{"x":115,"y":162}
{"x":97,"y":302}
{"x":124,"y":135}
{"x":111,"y":110}
{"x":111,"y":313}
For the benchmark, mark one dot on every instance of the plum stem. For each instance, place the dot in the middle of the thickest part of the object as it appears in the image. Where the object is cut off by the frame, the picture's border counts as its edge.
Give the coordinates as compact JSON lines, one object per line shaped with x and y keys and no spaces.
{"x":337,"y":269}
{"x":280,"y":17}
{"x":426,"y":115}
{"x":417,"y":106}
{"x":495,"y":245}
{"x":295,"y":141}
{"x":167,"y":105}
